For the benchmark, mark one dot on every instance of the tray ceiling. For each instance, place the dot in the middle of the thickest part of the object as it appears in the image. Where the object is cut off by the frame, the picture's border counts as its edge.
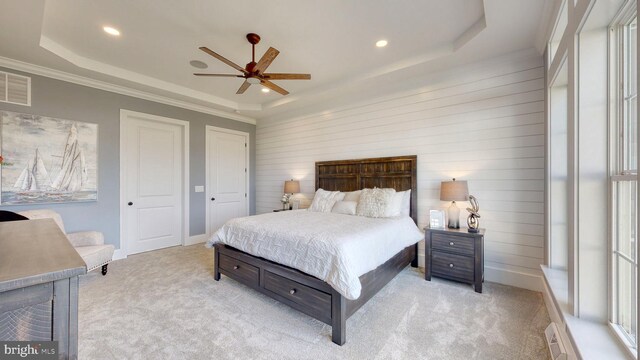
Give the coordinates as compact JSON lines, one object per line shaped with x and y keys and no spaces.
{"x":334,"y":40}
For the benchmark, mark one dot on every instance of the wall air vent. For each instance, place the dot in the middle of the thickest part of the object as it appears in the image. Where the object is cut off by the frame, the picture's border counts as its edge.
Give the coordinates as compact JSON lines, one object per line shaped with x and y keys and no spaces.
{"x":15,"y":89}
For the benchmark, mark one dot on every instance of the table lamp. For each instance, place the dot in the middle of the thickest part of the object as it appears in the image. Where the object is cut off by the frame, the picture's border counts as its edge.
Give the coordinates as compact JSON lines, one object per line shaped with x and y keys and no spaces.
{"x":290,"y":187}
{"x":454,"y":191}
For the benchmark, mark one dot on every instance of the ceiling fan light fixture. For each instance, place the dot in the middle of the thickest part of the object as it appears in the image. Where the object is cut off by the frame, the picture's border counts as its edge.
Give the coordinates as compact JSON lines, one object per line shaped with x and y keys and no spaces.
{"x":111,"y":30}
{"x":381,"y":43}
{"x":254,"y":72}
{"x":265,"y":90}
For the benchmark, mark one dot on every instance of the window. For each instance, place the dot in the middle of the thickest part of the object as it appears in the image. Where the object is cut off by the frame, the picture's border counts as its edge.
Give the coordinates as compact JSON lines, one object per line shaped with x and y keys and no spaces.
{"x":624,"y":181}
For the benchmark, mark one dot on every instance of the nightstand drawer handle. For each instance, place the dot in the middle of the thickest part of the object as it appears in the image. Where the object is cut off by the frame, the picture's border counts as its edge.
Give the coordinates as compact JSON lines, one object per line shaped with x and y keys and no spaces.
{"x":451,"y":243}
{"x":292,"y":291}
{"x":236,"y":267}
{"x":450,"y":265}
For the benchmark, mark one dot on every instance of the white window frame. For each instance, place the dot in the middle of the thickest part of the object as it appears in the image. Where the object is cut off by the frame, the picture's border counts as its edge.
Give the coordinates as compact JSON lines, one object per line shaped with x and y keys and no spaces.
{"x":618,"y":101}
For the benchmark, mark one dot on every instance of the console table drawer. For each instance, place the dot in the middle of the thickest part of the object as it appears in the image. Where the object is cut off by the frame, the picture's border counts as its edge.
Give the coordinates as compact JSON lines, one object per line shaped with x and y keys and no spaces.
{"x":455,"y":266}
{"x":454,"y":244}
{"x":308,"y":300}
{"x":240,"y":270}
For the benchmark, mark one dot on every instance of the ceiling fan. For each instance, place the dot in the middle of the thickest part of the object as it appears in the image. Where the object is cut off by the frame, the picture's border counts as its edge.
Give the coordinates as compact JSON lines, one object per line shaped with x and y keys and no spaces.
{"x":254,"y":73}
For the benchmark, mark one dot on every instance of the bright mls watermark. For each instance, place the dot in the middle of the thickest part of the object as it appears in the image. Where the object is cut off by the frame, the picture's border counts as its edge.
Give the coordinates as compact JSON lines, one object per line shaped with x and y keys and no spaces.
{"x":40,"y":350}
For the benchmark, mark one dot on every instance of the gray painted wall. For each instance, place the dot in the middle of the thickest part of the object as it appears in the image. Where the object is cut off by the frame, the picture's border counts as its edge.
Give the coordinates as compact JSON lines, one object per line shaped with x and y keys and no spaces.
{"x":65,"y":100}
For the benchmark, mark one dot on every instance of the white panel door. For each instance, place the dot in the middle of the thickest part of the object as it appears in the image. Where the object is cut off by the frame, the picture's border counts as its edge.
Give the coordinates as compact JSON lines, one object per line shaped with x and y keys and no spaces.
{"x":227,"y":177}
{"x":154,"y":189}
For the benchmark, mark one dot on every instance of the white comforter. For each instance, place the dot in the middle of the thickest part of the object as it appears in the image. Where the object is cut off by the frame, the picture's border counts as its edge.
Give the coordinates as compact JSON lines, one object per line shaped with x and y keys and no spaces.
{"x":333,"y":247}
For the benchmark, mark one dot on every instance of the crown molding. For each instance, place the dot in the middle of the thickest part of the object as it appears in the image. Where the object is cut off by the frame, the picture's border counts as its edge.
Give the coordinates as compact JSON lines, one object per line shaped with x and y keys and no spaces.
{"x":546,"y":25}
{"x":118,"y":89}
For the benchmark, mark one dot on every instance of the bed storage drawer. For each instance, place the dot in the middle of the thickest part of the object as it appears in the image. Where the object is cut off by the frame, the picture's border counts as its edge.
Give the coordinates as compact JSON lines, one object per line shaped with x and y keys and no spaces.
{"x":453,"y":244}
{"x":240,"y":270}
{"x":450,"y":265}
{"x":308,"y":300}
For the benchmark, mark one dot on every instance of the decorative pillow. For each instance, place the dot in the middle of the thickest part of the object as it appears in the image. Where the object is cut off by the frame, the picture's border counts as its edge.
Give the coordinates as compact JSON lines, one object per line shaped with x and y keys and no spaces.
{"x":352,"y":196}
{"x":324,"y":200}
{"x":345,"y":207}
{"x":405,"y":210}
{"x":395,"y":206}
{"x":400,"y":204}
{"x":374,"y":202}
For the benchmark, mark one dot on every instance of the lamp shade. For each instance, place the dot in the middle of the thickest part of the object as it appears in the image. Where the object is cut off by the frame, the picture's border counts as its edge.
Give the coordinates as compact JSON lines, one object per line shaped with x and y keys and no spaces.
{"x":291,"y":186}
{"x":454,"y":191}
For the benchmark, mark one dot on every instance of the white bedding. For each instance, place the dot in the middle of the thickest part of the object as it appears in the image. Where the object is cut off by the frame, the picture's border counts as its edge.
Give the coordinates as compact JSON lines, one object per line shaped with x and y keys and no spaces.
{"x":336,"y":248}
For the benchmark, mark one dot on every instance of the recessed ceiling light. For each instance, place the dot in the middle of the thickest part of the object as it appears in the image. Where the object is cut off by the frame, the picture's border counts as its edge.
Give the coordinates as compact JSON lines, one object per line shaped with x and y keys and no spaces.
{"x":111,"y":31}
{"x":198,"y":64}
{"x":265,"y":90}
{"x":381,"y":43}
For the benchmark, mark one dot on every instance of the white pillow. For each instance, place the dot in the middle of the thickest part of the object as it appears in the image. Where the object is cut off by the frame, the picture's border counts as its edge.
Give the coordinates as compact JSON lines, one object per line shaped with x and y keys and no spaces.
{"x":405,"y":210}
{"x":345,"y":207}
{"x":323,"y":200}
{"x":352,"y":196}
{"x":395,"y":206}
{"x":374,"y":202}
{"x":400,"y":204}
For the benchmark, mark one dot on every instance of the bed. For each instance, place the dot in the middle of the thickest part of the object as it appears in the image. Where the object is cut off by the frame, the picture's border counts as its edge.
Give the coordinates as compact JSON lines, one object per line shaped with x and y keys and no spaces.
{"x":308,"y":293}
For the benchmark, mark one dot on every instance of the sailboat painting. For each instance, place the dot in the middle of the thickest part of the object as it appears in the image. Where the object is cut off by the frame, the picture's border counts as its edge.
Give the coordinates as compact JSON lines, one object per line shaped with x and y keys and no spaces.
{"x":48,"y":160}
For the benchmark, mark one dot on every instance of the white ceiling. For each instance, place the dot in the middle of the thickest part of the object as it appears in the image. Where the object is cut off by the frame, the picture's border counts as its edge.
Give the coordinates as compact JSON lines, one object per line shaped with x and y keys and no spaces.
{"x":334,"y":40}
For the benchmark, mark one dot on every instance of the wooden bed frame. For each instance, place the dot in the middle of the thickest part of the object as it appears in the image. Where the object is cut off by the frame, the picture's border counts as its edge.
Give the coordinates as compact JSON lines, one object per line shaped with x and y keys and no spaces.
{"x":309,"y":294}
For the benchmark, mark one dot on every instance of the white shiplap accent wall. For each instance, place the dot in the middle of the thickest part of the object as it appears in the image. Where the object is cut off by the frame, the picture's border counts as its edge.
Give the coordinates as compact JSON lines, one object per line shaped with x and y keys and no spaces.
{"x":483,"y":124}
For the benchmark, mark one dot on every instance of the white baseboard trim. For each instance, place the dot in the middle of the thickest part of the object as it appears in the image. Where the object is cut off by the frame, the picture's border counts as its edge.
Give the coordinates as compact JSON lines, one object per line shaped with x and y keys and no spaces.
{"x":513,"y":278}
{"x":119,"y":254}
{"x":196,"y":239}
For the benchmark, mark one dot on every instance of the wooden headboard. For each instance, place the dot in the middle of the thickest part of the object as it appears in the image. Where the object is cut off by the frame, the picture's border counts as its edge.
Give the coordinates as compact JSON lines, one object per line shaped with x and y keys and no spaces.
{"x":398,"y":172}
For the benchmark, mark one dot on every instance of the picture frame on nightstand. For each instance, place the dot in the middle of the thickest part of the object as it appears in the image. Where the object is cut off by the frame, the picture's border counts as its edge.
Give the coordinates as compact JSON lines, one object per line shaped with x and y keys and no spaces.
{"x":436,"y":219}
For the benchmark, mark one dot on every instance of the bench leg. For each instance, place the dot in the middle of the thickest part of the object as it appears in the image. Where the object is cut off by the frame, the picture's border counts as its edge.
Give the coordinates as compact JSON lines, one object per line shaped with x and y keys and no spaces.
{"x":104,"y":269}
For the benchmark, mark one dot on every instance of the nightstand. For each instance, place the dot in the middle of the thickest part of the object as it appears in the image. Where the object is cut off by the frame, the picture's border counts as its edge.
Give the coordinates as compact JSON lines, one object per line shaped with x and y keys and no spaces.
{"x":455,"y":254}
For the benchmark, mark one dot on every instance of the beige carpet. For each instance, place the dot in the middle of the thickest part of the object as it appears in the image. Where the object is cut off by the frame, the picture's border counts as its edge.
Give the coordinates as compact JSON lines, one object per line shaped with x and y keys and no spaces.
{"x":166,"y":305}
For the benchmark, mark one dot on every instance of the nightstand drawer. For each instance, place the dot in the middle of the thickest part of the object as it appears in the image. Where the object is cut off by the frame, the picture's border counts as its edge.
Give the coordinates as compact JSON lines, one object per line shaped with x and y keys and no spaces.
{"x":450,"y":265}
{"x":454,"y":244}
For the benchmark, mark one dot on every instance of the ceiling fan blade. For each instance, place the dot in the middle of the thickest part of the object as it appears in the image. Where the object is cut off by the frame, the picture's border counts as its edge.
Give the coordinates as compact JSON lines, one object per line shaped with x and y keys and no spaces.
{"x":245,"y":85}
{"x":274,"y":87}
{"x":223,"y":59}
{"x":266,"y":60}
{"x":223,"y":75}
{"x":274,"y":76}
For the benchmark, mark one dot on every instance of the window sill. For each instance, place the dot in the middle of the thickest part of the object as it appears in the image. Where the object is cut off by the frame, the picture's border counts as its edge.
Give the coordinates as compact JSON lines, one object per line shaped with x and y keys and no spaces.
{"x":589,"y":339}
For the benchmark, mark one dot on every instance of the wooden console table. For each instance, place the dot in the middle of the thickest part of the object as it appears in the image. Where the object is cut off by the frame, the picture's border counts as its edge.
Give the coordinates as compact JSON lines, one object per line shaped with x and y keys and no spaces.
{"x":37,"y":266}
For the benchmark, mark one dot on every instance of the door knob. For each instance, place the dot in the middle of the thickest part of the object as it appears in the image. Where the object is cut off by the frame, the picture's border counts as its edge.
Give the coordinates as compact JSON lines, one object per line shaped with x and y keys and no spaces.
{"x":213,"y":199}
{"x":130,"y":203}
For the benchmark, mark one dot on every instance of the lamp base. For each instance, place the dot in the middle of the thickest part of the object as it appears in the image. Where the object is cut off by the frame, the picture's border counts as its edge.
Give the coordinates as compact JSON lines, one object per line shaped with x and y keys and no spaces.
{"x":473,"y":230}
{"x":454,"y":216}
